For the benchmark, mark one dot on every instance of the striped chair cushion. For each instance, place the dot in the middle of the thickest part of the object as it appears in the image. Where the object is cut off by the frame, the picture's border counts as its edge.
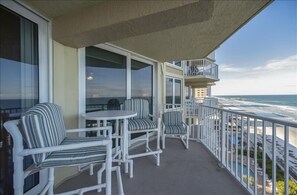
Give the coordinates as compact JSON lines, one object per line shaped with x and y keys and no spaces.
{"x":141,"y":124}
{"x":175,"y":129}
{"x":85,"y":155}
{"x":172,"y":118}
{"x":43,"y":126}
{"x":141,"y":106}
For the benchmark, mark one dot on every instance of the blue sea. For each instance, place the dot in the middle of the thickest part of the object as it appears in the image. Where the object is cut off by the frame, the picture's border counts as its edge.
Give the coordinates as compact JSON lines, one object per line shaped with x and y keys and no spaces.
{"x":281,"y":100}
{"x":282,"y":107}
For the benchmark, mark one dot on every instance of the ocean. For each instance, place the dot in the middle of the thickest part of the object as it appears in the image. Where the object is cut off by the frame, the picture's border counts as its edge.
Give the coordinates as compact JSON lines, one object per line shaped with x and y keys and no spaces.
{"x":283,"y":107}
{"x":281,"y":100}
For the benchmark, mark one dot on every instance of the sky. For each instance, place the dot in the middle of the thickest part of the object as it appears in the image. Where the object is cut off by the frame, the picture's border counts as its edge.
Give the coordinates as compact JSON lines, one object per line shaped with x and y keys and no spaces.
{"x":261,"y":57}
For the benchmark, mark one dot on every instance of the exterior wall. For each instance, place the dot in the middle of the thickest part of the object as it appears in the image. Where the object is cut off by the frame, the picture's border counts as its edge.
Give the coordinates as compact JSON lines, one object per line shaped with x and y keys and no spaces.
{"x":174,"y":70}
{"x":65,"y":92}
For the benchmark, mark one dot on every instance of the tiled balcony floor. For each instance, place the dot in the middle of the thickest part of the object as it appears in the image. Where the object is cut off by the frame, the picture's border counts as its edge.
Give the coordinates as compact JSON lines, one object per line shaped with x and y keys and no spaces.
{"x":182,"y":172}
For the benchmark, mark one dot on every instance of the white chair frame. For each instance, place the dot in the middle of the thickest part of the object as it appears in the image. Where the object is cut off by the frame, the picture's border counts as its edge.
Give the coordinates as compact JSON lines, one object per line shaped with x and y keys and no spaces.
{"x":149,"y":151}
{"x":181,"y":136}
{"x":19,"y":153}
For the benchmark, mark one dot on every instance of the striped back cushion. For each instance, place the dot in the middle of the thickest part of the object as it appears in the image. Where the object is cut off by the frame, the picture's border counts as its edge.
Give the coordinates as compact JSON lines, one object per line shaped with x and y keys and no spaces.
{"x":141,"y":106}
{"x":172,"y":118}
{"x":43,"y":127}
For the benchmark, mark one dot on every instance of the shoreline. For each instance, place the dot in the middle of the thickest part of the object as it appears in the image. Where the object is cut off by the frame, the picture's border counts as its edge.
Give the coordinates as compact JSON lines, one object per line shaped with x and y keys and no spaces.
{"x":286,"y":113}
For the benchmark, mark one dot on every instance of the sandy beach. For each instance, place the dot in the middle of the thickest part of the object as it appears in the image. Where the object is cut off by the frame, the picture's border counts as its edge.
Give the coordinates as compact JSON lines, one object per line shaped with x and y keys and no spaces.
{"x":285,"y":113}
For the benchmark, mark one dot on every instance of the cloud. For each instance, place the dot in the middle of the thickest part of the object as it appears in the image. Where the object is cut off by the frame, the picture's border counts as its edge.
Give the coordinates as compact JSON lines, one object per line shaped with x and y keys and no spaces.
{"x":230,"y":68}
{"x":282,"y":64}
{"x":274,"y":77}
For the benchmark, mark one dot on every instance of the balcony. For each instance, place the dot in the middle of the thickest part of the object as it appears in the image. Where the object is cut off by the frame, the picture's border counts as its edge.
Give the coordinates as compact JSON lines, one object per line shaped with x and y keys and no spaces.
{"x":193,"y":171}
{"x":201,"y":73}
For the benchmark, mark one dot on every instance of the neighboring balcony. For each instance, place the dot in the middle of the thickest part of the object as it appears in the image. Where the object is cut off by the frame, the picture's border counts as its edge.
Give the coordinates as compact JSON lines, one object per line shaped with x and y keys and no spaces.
{"x":201,"y":73}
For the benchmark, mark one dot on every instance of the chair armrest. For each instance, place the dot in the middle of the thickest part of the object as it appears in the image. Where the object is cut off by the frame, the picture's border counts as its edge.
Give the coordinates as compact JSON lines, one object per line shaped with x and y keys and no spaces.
{"x":150,"y":115}
{"x":109,"y":128}
{"x":27,"y":152}
{"x":185,"y":124}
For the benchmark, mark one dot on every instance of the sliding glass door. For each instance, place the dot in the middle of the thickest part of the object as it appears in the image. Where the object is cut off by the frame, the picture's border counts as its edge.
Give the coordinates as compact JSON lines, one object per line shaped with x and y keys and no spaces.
{"x":142,"y":81}
{"x":112,"y":76}
{"x":105,"y":79}
{"x":19,"y":87}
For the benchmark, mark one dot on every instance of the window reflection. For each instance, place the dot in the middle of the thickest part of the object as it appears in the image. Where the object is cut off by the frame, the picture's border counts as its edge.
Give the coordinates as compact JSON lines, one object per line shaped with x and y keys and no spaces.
{"x":142,"y":81}
{"x":19,"y":86}
{"x":105,"y":80}
{"x":173,"y":93}
{"x":177,"y":94}
{"x":169,"y":91}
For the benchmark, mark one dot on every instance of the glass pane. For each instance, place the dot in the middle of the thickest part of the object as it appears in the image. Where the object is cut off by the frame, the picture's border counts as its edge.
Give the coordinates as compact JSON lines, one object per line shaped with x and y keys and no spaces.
{"x":18,"y":85}
{"x":142,"y":81}
{"x":177,"y":85}
{"x":177,"y":63}
{"x":105,"y":81}
{"x":169,"y":92}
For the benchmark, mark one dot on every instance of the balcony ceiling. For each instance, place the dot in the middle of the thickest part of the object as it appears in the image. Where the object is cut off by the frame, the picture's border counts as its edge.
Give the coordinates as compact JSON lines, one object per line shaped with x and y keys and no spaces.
{"x":164,"y":30}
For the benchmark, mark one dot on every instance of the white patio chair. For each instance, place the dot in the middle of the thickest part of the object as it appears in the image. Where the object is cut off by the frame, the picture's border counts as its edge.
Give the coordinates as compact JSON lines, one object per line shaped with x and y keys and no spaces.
{"x":43,"y":129}
{"x":173,"y":125}
{"x":143,"y":123}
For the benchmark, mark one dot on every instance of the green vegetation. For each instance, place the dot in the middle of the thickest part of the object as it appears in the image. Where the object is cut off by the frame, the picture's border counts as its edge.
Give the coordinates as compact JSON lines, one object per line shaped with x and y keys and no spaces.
{"x":292,"y":187}
{"x":279,"y":173}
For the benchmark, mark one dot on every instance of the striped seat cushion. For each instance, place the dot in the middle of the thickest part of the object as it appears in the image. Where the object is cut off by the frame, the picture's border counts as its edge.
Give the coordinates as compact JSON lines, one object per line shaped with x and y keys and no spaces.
{"x":141,"y":106}
{"x":78,"y":156}
{"x":172,"y":118}
{"x":175,"y":129}
{"x":141,"y":124}
{"x":43,"y":126}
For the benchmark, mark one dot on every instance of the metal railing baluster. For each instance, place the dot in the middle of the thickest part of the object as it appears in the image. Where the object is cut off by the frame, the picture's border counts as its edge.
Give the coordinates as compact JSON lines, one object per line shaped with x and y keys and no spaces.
{"x":286,"y":156}
{"x":248,"y":153}
{"x":255,"y":157}
{"x":264,"y":157}
{"x":273,"y":159}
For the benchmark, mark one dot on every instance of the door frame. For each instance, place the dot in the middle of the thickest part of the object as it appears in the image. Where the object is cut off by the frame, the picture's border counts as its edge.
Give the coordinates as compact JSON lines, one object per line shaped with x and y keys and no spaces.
{"x":129,"y":56}
{"x":45,"y":65}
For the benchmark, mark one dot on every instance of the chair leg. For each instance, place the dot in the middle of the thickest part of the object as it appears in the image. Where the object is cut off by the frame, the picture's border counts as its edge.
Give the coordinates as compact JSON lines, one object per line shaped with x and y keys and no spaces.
{"x":158,"y":148}
{"x":119,"y":180}
{"x":187,"y":141}
{"x":91,"y":172}
{"x":99,"y":176}
{"x":163,"y":141}
{"x":108,"y":168}
{"x":131,"y":168}
{"x":147,"y":142}
{"x":188,"y":135}
{"x":18,"y":175}
{"x":51,"y":181}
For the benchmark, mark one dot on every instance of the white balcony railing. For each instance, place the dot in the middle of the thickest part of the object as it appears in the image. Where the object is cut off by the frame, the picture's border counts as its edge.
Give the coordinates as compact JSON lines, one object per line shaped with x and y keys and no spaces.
{"x":191,"y":106}
{"x":256,"y":150}
{"x":202,"y":68}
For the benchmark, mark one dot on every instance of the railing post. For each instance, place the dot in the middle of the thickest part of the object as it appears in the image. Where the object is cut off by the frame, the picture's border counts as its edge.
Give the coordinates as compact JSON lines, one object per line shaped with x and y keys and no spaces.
{"x":223,"y":139}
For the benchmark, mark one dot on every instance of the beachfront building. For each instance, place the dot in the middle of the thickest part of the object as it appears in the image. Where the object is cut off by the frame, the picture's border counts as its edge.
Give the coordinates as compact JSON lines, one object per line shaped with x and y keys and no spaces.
{"x":93,"y":55}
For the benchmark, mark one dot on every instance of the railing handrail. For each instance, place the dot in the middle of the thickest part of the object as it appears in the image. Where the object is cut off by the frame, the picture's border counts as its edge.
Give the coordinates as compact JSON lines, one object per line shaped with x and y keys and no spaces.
{"x":268,"y":119}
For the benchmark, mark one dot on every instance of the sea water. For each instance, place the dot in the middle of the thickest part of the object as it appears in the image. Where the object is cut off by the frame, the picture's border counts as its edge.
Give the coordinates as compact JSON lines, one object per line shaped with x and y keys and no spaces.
{"x":283,"y":107}
{"x":282,"y":100}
